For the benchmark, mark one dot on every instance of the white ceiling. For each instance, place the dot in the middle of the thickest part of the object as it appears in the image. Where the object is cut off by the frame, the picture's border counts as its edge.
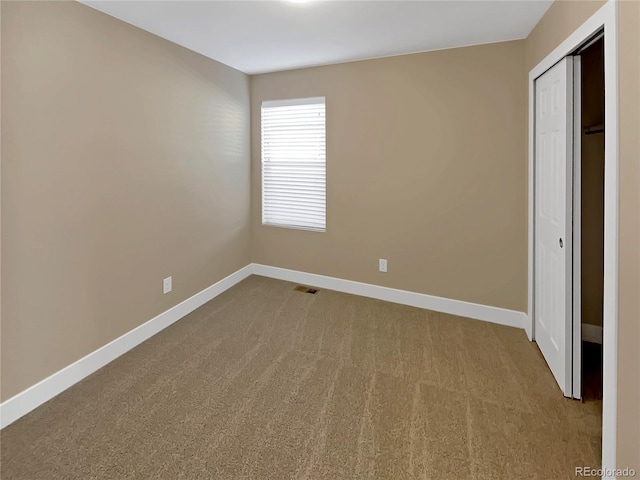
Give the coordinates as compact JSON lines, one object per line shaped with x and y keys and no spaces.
{"x":266,"y":36}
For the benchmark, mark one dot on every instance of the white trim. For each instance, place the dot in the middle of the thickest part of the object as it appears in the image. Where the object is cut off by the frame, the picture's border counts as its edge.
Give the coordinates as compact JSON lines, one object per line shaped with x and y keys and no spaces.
{"x":592,"y":333}
{"x":577,"y":228}
{"x":34,"y":396}
{"x":595,"y":39}
{"x":292,"y":101}
{"x":611,"y":199}
{"x":605,"y":17}
{"x":497,"y":315}
{"x":569,"y":133}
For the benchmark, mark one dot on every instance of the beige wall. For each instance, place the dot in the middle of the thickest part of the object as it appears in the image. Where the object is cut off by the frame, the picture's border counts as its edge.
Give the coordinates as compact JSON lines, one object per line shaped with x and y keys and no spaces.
{"x":425,"y":168}
{"x":562,"y":19}
{"x":558,"y":23}
{"x":125,"y":159}
{"x":0,"y":203}
{"x":629,"y":264}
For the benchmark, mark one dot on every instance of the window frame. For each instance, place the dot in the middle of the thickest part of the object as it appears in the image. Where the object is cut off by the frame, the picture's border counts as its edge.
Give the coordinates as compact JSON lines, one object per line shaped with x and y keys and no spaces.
{"x":289,"y":103}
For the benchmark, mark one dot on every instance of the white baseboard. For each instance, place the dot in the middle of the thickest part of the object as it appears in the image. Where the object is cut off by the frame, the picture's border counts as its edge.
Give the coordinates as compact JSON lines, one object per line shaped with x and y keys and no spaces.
{"x":497,"y":315}
{"x":34,"y":396}
{"x":528,"y":327}
{"x":591,"y":333}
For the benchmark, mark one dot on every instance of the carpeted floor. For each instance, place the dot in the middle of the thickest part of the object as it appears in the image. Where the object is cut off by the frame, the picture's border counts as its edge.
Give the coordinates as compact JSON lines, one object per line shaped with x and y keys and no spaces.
{"x":265,"y":382}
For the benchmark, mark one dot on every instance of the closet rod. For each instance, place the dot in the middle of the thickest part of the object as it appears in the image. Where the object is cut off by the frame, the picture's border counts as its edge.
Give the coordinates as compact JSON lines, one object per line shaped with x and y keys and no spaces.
{"x":594,"y":129}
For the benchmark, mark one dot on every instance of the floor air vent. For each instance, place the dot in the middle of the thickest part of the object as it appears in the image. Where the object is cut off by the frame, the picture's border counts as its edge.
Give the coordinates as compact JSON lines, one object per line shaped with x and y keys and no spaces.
{"x":300,"y":288}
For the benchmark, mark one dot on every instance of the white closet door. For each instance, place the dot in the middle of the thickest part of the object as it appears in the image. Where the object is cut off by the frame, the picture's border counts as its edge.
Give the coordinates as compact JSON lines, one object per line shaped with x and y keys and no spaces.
{"x":553,"y":217}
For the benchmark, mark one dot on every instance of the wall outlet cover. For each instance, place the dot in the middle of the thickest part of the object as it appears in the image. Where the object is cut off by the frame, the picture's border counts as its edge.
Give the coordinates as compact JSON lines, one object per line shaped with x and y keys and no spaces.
{"x":166,"y":285}
{"x":382,"y":265}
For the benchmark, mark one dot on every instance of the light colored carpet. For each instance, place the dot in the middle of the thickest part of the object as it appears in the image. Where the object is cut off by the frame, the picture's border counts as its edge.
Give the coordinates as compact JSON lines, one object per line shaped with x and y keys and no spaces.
{"x":265,"y":382}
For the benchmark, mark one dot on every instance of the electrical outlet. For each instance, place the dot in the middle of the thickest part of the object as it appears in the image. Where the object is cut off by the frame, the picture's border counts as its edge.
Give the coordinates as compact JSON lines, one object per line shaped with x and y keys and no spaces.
{"x":382,"y":265}
{"x":166,"y":285}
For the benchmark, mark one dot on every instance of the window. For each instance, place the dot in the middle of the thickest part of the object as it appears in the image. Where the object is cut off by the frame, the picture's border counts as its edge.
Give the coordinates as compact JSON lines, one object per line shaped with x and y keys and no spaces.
{"x":294,"y":164}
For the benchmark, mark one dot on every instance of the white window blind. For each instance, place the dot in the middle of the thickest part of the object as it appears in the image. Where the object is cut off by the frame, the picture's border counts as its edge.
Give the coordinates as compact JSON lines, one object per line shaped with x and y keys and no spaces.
{"x":294,"y":163}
